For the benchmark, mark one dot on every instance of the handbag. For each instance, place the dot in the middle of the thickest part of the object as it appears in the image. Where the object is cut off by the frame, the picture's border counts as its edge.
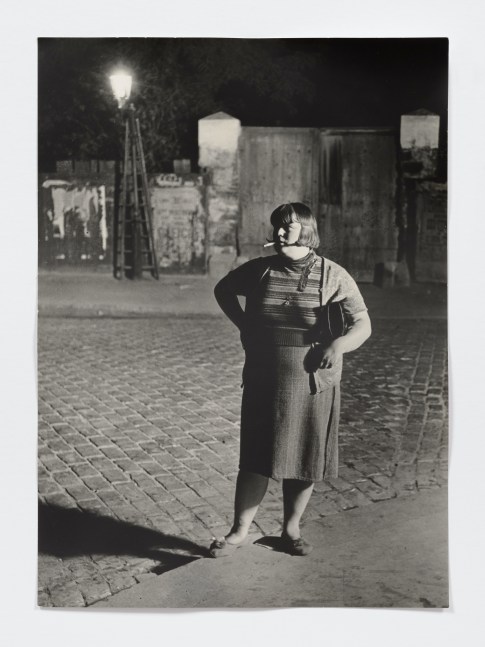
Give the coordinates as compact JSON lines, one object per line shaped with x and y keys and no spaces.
{"x":332,"y":321}
{"x":331,"y":324}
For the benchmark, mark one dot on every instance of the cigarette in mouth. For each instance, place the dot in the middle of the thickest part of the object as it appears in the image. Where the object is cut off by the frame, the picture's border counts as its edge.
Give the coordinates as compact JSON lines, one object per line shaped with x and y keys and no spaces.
{"x":268,"y":244}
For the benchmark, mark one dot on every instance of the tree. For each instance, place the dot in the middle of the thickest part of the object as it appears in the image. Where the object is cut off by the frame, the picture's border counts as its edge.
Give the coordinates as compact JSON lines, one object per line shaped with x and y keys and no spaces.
{"x":177,"y":81}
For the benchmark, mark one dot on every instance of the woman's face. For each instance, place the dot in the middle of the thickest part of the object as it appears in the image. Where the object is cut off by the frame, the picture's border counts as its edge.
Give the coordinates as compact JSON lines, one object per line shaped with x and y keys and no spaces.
{"x":286,"y":234}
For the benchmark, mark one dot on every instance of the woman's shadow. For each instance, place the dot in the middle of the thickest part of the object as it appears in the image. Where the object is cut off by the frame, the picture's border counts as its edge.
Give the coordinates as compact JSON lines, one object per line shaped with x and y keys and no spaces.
{"x":66,"y":532}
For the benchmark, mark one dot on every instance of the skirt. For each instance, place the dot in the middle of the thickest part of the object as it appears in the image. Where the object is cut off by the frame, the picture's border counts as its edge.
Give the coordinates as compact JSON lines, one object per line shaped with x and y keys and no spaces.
{"x":287,"y":431}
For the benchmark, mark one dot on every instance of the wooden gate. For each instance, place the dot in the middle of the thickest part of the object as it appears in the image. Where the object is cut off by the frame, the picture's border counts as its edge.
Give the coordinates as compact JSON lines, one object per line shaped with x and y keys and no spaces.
{"x":347,"y":176}
{"x":276,"y":165}
{"x":357,"y":203}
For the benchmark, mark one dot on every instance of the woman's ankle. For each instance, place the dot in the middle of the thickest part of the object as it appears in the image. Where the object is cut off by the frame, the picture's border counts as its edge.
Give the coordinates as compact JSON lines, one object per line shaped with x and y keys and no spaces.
{"x":236,"y":535}
{"x":291,"y":531}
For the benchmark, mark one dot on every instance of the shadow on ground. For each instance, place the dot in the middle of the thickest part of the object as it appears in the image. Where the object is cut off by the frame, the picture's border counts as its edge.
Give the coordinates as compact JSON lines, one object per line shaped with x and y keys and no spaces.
{"x":272,"y":543}
{"x":67,"y":532}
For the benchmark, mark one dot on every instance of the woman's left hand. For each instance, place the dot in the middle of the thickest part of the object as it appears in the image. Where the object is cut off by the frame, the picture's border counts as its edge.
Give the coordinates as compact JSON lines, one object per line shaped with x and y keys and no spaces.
{"x":331,"y":355}
{"x":358,"y":332}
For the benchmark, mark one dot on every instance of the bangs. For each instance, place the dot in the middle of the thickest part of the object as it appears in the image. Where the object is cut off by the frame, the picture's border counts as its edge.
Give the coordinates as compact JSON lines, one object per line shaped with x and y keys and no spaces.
{"x":283,"y":215}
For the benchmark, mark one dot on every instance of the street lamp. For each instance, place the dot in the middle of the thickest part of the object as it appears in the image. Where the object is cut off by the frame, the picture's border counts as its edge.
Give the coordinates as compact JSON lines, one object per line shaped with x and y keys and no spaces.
{"x":134,"y":249}
{"x":121,"y":86}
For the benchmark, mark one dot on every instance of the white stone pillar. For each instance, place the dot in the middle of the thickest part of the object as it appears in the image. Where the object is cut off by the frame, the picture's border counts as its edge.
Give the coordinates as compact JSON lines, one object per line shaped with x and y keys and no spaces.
{"x":218,"y":154}
{"x":419,"y":143}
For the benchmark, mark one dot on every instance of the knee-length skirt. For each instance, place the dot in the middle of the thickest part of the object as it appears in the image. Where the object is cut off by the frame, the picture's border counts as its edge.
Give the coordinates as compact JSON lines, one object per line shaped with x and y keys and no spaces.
{"x":287,"y":432}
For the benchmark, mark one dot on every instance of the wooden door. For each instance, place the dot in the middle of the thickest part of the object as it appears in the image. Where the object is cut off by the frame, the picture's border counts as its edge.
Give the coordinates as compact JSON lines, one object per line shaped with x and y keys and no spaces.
{"x":357,"y":207}
{"x":277,"y":165}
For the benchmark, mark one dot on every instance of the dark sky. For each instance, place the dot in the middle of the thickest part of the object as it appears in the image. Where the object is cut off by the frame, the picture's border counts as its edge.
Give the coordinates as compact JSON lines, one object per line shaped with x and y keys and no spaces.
{"x":372,"y":81}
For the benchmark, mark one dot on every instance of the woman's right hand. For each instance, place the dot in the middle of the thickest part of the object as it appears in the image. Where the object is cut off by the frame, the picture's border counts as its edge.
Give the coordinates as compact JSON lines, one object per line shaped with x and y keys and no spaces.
{"x":229,"y":303}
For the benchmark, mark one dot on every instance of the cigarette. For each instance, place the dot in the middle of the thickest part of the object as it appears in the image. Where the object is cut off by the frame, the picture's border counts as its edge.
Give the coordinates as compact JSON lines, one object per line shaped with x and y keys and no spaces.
{"x":268,"y":244}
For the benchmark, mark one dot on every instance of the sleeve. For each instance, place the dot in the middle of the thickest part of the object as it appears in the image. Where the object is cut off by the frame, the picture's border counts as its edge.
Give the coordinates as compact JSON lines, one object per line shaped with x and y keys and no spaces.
{"x":349,"y":294}
{"x":244,"y":279}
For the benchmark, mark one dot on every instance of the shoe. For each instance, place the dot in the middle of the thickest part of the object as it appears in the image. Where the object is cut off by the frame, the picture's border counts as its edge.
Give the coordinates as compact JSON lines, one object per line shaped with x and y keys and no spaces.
{"x":298,"y":547}
{"x":221,"y":548}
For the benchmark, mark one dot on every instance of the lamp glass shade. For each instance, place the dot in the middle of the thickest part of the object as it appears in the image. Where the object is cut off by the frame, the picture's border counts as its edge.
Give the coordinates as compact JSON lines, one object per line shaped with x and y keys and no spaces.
{"x":121,"y":85}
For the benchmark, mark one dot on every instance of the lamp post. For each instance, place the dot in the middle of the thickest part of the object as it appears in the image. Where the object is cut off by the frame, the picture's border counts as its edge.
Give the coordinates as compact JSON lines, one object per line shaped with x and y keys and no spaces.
{"x":134,"y":244}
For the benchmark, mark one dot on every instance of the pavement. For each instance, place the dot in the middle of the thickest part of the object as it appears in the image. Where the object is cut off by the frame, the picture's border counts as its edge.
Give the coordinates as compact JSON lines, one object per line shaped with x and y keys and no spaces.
{"x":139,"y":396}
{"x":75,"y":292}
{"x":404,"y":565}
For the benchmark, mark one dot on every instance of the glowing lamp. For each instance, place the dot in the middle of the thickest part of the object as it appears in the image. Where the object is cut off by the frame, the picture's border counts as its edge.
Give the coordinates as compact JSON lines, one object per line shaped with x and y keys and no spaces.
{"x":121,"y":86}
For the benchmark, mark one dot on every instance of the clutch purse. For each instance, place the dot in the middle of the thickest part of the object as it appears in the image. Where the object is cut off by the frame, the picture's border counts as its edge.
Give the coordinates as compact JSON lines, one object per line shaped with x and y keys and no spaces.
{"x":332,"y":322}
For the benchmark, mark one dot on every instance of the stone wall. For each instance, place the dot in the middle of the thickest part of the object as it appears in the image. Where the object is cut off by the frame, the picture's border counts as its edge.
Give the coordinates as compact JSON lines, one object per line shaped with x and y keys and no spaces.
{"x":423,"y":209}
{"x":179,"y":222}
{"x":431,"y":256}
{"x":76,"y":211}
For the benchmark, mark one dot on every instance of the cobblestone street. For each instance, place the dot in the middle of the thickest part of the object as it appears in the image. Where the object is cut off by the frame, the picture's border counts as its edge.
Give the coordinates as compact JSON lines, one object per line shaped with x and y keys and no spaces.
{"x":138,"y":441}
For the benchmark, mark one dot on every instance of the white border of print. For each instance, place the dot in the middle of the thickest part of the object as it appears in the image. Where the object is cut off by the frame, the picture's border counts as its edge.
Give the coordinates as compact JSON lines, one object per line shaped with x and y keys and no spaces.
{"x":22,"y":23}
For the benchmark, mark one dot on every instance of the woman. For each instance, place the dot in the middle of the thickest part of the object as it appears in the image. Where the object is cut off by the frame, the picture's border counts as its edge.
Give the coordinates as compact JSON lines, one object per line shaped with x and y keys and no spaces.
{"x":291,"y":377}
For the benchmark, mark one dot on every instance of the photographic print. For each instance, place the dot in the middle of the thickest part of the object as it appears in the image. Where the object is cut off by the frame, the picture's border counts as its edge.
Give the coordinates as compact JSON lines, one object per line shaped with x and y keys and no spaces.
{"x":242,"y":333}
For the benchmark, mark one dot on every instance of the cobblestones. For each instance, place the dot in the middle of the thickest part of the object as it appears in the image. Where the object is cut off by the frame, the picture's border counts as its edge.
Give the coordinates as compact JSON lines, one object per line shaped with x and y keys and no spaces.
{"x":93,"y":589}
{"x":67,"y":594}
{"x":138,"y":429}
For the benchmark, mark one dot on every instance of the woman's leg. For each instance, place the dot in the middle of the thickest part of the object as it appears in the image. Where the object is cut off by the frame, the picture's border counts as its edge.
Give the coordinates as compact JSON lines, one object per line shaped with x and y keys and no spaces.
{"x":250,"y":490}
{"x":296,"y":495}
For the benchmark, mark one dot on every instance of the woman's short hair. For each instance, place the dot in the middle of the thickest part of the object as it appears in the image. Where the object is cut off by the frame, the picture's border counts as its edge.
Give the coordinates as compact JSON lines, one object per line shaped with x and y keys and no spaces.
{"x":298,"y":212}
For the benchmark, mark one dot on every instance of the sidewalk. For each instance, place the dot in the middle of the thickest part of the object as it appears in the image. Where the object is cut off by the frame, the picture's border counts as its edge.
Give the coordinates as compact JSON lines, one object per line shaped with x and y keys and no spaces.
{"x":390,"y":554}
{"x":85,"y":293}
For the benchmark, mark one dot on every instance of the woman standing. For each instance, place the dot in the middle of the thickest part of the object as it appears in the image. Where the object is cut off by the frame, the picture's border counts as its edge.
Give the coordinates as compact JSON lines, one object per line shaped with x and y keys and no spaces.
{"x":291,"y":398}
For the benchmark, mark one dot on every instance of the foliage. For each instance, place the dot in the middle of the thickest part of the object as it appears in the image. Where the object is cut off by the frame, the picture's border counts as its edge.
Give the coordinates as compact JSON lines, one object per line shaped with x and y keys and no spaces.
{"x":177,"y":81}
